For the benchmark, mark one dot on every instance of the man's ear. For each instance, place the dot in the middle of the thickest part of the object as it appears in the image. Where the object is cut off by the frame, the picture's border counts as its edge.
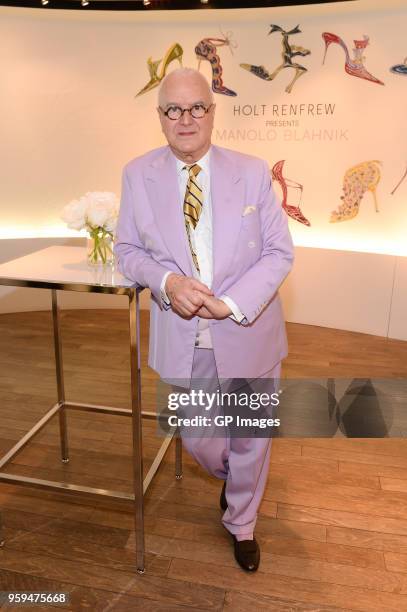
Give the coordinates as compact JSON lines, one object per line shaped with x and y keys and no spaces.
{"x":160,"y":117}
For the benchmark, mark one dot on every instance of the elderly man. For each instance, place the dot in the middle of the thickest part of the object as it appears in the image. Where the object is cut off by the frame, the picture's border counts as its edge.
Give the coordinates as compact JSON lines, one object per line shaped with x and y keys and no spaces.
{"x":201,"y":227}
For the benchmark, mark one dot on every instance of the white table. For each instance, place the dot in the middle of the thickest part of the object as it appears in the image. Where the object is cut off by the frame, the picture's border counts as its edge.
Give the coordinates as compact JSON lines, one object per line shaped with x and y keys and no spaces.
{"x":65,"y":268}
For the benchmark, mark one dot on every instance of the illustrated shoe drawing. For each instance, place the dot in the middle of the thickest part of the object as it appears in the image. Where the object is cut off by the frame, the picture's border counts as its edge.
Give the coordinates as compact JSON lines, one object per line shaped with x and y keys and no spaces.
{"x":357,"y":180}
{"x":206,"y":50}
{"x":175,"y":52}
{"x":399,"y":183}
{"x":289,"y":51}
{"x":292,"y":211}
{"x":353,"y":66}
{"x":400,"y":68}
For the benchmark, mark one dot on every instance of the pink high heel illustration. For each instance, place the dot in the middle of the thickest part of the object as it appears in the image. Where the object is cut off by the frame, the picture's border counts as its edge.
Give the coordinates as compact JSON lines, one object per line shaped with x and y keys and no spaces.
{"x":292,"y":211}
{"x":354,"y":66}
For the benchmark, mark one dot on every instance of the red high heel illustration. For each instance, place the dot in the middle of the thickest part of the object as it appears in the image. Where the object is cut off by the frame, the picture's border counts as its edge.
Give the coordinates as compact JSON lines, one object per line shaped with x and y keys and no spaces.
{"x":292,"y":211}
{"x":206,"y":50}
{"x":354,"y":66}
{"x":399,"y":183}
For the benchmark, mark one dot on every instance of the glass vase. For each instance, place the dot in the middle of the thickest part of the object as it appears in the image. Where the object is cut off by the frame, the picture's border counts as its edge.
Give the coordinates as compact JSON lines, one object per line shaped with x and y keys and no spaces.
{"x":99,"y":246}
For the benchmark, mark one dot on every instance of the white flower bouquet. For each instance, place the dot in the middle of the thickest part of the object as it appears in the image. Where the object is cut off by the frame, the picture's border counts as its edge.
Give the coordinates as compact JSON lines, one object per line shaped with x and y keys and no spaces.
{"x":97,"y":212}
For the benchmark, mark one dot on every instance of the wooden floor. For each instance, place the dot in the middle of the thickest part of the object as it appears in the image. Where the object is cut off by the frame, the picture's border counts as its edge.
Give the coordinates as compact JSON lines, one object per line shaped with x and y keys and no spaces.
{"x":332,"y":525}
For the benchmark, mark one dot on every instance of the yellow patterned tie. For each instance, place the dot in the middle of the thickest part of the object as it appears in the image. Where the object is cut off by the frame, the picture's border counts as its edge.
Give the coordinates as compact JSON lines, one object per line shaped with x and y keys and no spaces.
{"x":192,"y":206}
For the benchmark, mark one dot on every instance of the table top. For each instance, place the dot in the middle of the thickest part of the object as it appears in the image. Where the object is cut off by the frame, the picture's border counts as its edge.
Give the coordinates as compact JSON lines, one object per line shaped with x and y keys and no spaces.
{"x":63,"y":267}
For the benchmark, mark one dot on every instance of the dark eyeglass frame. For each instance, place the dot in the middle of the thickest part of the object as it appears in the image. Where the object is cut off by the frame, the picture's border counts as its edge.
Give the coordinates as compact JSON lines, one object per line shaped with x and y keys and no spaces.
{"x":184,"y":110}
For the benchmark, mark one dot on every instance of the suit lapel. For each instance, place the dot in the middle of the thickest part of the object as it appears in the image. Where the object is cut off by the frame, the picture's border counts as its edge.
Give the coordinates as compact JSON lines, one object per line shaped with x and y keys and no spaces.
{"x":227,"y":194}
{"x":163,"y":191}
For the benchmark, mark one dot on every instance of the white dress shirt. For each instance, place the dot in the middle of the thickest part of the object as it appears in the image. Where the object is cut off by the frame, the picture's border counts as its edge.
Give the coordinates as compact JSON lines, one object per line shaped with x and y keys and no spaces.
{"x":201,"y":240}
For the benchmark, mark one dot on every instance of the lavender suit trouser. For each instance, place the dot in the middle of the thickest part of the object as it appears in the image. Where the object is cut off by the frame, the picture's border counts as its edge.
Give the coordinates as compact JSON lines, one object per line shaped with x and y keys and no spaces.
{"x":242,"y":462}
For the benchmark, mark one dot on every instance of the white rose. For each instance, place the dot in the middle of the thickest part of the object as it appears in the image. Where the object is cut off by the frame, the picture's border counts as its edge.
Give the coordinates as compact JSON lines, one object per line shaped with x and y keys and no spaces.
{"x":74,"y":214}
{"x":111,"y":223}
{"x":101,"y":208}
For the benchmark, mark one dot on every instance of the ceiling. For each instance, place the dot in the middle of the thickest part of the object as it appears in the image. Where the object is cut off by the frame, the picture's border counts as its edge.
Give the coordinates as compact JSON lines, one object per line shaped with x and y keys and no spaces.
{"x":138,"y":5}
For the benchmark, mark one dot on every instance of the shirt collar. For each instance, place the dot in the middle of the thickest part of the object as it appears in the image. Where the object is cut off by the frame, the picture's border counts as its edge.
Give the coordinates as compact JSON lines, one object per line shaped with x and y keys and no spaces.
{"x":203,"y":163}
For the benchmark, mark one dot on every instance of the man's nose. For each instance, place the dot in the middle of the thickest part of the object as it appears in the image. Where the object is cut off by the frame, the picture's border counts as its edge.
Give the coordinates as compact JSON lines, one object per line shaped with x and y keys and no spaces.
{"x":186,"y":118}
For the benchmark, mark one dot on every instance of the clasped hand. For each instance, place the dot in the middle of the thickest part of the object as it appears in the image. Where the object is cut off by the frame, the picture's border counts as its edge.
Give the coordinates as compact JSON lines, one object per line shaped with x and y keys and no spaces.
{"x":189,"y":297}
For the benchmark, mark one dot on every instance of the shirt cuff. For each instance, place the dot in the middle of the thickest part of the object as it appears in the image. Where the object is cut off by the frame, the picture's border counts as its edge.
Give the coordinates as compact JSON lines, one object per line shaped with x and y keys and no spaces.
{"x":236,"y":315}
{"x":164,"y":295}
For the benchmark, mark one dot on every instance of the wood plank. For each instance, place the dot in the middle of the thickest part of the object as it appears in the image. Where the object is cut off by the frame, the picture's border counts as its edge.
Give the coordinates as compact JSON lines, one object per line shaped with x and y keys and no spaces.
{"x":374,"y":540}
{"x":396,"y":562}
{"x":62,"y":527}
{"x":73,"y":546}
{"x":393,"y":484}
{"x":288,"y":474}
{"x":396,"y":447}
{"x":322,"y":551}
{"x":80,"y":598}
{"x":375,"y":502}
{"x":164,"y":590}
{"x":357,"y":520}
{"x":320,"y":453}
{"x":275,"y":585}
{"x":238,"y":601}
{"x":331,"y":573}
{"x":371,"y":469}
{"x":292,"y":529}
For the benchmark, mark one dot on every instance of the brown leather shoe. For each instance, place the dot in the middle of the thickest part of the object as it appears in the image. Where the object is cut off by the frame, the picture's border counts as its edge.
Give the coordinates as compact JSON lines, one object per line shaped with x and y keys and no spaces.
{"x":247,"y":554}
{"x":223,"y":502}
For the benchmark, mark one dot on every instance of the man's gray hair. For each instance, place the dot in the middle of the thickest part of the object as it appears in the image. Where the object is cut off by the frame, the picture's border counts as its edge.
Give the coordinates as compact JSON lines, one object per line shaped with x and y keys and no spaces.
{"x":183,"y":73}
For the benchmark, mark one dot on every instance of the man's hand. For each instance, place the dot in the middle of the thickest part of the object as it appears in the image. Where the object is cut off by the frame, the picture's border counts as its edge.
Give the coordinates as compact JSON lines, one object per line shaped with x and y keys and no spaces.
{"x":213,"y":308}
{"x":186,"y":294}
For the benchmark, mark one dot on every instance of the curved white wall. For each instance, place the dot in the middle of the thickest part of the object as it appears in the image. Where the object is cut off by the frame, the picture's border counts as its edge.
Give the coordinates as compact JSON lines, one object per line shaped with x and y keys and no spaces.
{"x":360,"y":292}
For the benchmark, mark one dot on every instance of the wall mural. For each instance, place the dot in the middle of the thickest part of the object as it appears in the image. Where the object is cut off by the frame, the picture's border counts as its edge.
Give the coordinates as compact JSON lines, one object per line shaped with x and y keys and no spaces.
{"x":320,"y":126}
{"x":357,"y":180}
{"x":175,"y":52}
{"x":400,"y":68}
{"x":399,"y":183}
{"x":353,"y":66}
{"x":292,"y":211}
{"x":289,"y":51}
{"x":206,"y":50}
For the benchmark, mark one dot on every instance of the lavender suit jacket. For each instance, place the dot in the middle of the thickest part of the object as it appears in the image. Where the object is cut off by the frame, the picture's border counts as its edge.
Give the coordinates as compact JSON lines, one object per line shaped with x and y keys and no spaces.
{"x":252,"y":254}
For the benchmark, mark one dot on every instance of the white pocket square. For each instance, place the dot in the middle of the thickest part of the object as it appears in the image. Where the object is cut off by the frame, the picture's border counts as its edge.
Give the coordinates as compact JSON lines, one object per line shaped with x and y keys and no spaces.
{"x":248,"y":210}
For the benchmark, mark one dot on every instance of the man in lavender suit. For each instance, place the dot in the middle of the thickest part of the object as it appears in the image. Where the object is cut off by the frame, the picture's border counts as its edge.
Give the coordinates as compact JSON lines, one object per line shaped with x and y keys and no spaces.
{"x":201,"y":227}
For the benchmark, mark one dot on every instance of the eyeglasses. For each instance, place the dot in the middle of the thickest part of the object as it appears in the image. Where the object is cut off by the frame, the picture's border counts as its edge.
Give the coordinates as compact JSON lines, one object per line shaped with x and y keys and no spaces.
{"x":197,"y":111}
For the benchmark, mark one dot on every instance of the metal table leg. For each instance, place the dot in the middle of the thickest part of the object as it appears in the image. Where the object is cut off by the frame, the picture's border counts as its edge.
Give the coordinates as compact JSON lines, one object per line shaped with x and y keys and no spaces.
{"x":135,"y":377}
{"x":178,"y":456}
{"x":2,"y":536}
{"x":60,"y":378}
